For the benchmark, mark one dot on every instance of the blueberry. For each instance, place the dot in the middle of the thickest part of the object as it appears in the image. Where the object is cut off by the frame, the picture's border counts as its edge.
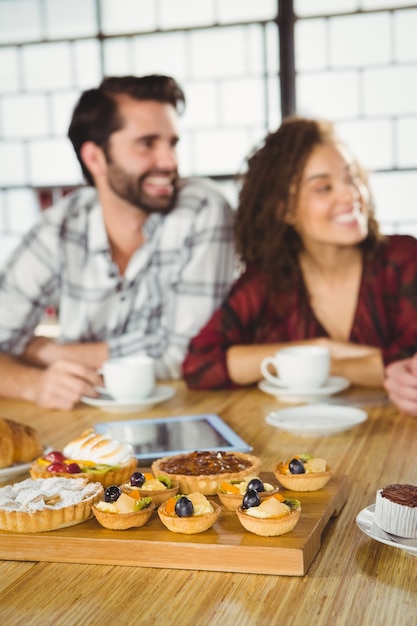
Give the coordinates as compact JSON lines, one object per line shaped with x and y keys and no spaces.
{"x":137,"y":479}
{"x":296,"y":467}
{"x":112,"y":493}
{"x":256,"y":484}
{"x":250,"y":499}
{"x":184,"y":507}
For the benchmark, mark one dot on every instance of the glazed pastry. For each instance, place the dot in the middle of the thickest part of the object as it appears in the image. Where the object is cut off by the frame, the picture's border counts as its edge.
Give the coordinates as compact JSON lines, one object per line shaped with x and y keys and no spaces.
{"x":303,"y":473}
{"x":203,"y":470}
{"x":396,"y":510}
{"x":18,"y":443}
{"x":99,"y":458}
{"x":231,"y":492}
{"x":270,"y":517}
{"x":159,"y":488}
{"x":118,"y":511}
{"x":42,"y":504}
{"x":189,"y":514}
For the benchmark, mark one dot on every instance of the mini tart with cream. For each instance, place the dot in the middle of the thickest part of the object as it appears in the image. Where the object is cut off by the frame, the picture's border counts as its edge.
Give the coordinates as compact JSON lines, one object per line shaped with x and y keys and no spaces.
{"x":273,"y":516}
{"x":43,"y":504}
{"x":203,"y":470}
{"x":96,"y":457}
{"x":189,"y":514}
{"x":231,"y":492}
{"x":159,"y":488}
{"x":118,"y":511}
{"x":303,"y":472}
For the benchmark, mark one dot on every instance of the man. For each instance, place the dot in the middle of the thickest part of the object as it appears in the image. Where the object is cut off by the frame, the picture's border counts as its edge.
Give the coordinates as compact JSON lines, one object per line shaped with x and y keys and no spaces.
{"x":401,"y":384}
{"x":136,"y":262}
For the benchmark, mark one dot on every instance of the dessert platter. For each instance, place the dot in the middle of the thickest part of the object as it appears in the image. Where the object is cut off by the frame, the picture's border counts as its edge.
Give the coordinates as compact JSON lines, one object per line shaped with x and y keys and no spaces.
{"x":276,"y":532}
{"x":106,"y":402}
{"x":334,"y":384}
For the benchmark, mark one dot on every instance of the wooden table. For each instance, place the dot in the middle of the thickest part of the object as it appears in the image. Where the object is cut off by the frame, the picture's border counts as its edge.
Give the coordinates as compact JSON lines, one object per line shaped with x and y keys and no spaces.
{"x":352,"y":580}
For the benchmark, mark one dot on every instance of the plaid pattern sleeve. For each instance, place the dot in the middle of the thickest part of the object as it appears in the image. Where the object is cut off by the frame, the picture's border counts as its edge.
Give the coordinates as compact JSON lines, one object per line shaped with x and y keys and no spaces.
{"x":170,"y":288}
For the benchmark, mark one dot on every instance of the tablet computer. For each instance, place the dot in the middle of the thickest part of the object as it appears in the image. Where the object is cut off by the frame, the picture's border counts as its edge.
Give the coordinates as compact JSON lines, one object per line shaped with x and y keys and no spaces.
{"x":157,"y":437}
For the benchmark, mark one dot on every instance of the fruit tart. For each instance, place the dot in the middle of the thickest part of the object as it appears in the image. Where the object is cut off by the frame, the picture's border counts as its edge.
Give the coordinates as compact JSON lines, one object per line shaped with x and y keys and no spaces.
{"x":98,"y":458}
{"x":203,"y":470}
{"x":118,"y":511}
{"x":273,"y":516}
{"x":303,"y":473}
{"x":190,"y":514}
{"x":43,"y":504}
{"x":159,"y":488}
{"x":231,"y":492}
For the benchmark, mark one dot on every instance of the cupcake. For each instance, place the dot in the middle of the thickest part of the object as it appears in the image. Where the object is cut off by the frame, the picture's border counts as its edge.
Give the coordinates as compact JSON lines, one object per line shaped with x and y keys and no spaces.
{"x":273,"y":516}
{"x":159,"y":488}
{"x":189,"y":514}
{"x":98,"y":458}
{"x":118,"y":511}
{"x":231,"y":492}
{"x":396,"y":510}
{"x":303,"y":473}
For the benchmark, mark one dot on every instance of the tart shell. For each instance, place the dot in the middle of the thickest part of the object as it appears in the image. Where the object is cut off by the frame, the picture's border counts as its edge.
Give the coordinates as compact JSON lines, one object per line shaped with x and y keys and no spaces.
{"x":189,"y":525}
{"x":158,"y":496}
{"x":123,"y":521}
{"x":269,"y":526}
{"x":113,"y":477}
{"x":206,"y":483}
{"x":303,"y":482}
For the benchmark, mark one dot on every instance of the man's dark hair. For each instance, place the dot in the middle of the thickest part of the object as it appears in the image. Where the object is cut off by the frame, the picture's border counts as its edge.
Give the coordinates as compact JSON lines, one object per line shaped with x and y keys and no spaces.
{"x":96,"y":114}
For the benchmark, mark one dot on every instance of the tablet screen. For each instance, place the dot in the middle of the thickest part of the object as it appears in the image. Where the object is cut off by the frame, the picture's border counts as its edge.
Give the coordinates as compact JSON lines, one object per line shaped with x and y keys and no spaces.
{"x":153,"y":438}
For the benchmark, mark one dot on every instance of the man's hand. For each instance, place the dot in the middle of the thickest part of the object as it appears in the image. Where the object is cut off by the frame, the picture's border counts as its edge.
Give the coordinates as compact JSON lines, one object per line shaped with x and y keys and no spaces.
{"x":42,"y":352}
{"x":61,"y":385}
{"x":401,"y":384}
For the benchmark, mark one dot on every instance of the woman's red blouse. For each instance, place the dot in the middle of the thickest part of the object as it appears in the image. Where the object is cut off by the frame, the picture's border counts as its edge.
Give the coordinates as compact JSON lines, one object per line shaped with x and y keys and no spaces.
{"x":253,"y":313}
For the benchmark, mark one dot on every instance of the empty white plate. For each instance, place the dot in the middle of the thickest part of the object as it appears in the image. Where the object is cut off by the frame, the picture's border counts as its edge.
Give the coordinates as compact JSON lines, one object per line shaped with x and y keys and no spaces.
{"x":314,"y":420}
{"x":107,"y":403}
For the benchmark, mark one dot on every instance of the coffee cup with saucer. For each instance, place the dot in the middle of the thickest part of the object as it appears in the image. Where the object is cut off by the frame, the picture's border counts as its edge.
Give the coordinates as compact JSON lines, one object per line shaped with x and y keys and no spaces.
{"x":131,"y":377}
{"x":298,"y":367}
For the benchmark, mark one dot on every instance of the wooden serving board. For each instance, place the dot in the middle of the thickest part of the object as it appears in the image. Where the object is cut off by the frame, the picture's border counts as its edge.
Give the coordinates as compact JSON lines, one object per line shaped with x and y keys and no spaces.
{"x":226,"y":547}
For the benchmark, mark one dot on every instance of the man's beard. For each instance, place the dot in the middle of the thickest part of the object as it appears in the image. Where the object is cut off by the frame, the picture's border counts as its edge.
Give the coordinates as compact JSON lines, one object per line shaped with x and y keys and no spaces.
{"x":130,"y":189}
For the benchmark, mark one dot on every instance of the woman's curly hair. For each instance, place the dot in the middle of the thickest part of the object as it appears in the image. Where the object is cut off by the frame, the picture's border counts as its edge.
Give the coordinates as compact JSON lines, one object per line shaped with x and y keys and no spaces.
{"x":270,"y":192}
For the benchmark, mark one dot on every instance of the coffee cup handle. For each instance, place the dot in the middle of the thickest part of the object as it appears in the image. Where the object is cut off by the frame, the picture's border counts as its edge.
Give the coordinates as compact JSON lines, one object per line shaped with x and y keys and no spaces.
{"x":269,"y":360}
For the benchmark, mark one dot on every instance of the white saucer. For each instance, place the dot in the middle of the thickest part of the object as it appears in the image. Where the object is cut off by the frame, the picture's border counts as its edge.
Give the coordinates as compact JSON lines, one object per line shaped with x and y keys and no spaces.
{"x":333,"y":385}
{"x":365,"y":521}
{"x":314,"y":420}
{"x":107,"y":403}
{"x":14,"y":471}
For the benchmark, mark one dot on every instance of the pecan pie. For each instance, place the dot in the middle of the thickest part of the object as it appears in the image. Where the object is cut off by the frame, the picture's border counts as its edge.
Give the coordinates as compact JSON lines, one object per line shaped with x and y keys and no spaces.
{"x":203,"y":470}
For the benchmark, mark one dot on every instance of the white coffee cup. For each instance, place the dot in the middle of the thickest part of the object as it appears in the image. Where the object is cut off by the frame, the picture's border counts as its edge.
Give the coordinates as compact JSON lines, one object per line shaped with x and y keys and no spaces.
{"x":298,"y":366}
{"x":129,"y":377}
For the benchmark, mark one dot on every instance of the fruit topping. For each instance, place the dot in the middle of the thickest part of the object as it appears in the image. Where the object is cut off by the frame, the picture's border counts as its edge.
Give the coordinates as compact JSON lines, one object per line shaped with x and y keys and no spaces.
{"x":256,"y":484}
{"x":137,"y":479}
{"x":250,"y":499}
{"x":57,"y":467}
{"x":296,"y":466}
{"x":54,"y":457}
{"x":184,"y":507}
{"x":112,"y":493}
{"x":73,"y":468}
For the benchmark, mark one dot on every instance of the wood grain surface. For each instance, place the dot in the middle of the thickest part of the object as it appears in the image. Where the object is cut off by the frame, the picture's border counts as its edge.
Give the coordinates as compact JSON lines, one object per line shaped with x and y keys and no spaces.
{"x":352,"y":579}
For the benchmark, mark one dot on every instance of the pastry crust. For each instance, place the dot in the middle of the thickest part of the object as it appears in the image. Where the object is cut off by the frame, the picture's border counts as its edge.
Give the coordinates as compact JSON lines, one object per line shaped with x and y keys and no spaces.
{"x":158,"y":496}
{"x":123,"y":521}
{"x":303,"y":482}
{"x":49,"y":504}
{"x":19,"y":443}
{"x":114,"y":476}
{"x":269,"y":526}
{"x":189,"y":525}
{"x":207,"y":483}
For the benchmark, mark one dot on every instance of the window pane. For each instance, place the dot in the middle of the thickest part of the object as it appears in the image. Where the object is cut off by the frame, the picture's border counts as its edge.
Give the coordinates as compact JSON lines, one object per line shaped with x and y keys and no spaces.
{"x":163,"y":53}
{"x":117,"y":57}
{"x":246,"y":10}
{"x":20,"y":21}
{"x":334,"y":95}
{"x":243,"y":102}
{"x":220,"y":151}
{"x":407,"y":143}
{"x":324,"y":7}
{"x":62,"y":107}
{"x":405,"y":35}
{"x":370,"y":141}
{"x":76,"y":18}
{"x":202,"y":105}
{"x":185,"y":13}
{"x":47,"y":66}
{"x":23,"y":209}
{"x":128,"y":16}
{"x":350,"y":44}
{"x":390,"y":91}
{"x":87,"y":63}
{"x":24,"y":116}
{"x":310,"y":44}
{"x":395,"y":196}
{"x":385,"y":4}
{"x":9,"y":80}
{"x":53,"y":162}
{"x":12,"y":164}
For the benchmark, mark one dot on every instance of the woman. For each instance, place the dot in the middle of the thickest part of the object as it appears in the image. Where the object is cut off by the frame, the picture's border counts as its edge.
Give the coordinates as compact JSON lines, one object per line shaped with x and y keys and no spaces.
{"x":317,"y":271}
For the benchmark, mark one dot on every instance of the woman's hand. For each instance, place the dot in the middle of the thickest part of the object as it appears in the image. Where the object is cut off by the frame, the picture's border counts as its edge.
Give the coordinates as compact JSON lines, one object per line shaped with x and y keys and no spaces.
{"x":401,"y":384}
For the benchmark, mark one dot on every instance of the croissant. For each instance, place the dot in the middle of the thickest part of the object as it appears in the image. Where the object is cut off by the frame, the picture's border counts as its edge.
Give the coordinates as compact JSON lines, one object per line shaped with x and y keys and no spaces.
{"x":18,"y":443}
